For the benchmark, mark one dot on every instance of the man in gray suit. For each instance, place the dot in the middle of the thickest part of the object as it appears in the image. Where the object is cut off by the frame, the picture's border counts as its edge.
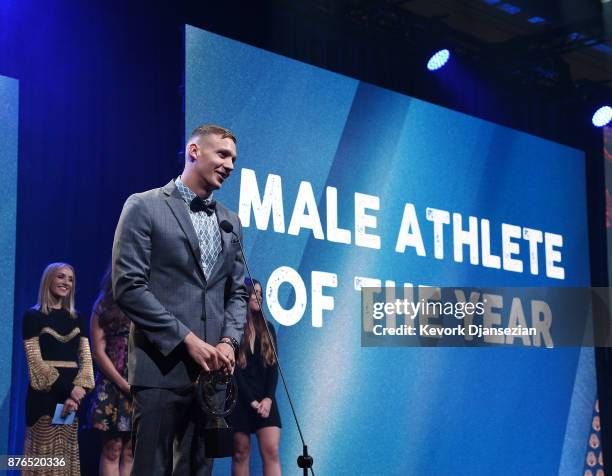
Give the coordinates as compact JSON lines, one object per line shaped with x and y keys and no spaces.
{"x":179,"y":278}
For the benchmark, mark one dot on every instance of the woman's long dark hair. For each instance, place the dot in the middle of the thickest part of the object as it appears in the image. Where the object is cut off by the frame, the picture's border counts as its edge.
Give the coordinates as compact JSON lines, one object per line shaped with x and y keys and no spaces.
{"x":110,"y":316}
{"x":259,"y":327}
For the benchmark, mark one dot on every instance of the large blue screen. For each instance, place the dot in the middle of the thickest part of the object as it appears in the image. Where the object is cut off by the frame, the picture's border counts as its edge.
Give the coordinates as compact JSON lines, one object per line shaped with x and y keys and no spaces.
{"x":342,"y":184}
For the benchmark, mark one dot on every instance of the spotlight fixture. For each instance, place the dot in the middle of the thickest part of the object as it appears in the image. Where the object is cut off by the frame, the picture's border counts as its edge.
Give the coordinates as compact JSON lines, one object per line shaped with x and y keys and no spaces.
{"x":438,"y":60}
{"x":602,"y":117}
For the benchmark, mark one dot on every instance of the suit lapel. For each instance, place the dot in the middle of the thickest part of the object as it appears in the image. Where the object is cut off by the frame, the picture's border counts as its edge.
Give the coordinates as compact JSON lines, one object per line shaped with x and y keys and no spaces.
{"x":226,"y":239}
{"x":179,"y":210}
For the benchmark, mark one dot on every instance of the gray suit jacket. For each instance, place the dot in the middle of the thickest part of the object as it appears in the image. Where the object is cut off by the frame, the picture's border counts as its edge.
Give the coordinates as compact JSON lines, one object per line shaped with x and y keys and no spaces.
{"x":159,"y":283}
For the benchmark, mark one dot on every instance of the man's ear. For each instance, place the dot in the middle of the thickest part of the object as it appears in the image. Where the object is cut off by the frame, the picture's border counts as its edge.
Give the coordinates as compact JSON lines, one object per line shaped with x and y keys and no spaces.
{"x":192,"y":150}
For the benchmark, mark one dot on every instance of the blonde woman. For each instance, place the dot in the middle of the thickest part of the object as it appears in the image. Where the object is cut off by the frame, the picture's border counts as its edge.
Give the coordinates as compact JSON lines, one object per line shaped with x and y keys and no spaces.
{"x":60,"y":369}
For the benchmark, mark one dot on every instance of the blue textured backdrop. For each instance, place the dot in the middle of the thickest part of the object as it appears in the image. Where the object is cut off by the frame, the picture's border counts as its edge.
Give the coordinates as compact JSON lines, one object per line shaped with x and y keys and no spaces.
{"x":400,"y":410}
{"x":9,"y":106}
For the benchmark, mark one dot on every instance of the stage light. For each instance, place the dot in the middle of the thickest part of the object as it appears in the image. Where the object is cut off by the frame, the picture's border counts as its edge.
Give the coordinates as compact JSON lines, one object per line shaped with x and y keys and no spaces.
{"x":438,"y":59}
{"x":603,"y":116}
{"x":509,"y":8}
{"x":535,"y":20}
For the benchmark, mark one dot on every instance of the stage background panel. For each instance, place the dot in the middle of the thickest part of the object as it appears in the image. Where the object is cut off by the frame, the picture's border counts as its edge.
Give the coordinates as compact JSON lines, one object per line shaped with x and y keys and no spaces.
{"x":330,"y":149}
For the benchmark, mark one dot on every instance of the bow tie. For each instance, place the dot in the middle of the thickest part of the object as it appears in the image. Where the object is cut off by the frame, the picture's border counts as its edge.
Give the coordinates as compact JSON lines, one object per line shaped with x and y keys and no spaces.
{"x":199,"y":205}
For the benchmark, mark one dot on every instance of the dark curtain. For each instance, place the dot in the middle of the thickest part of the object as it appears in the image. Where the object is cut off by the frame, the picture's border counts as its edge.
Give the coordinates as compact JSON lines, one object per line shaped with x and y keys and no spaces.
{"x":100,"y":118}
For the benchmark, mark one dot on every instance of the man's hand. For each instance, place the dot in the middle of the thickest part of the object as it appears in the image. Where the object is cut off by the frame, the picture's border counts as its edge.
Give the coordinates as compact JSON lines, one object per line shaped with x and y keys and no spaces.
{"x":263,"y":409}
{"x":205,"y":355}
{"x":228,"y":351}
{"x":69,"y":406}
{"x":77,"y":394}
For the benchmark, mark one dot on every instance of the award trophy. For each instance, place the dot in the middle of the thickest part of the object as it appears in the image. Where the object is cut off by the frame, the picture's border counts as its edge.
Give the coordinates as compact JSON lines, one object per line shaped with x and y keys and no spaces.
{"x":218,"y":435}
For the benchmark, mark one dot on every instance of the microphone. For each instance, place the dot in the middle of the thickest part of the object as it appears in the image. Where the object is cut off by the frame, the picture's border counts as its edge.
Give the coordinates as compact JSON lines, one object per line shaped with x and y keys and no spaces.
{"x":305,"y":461}
{"x":227,"y":227}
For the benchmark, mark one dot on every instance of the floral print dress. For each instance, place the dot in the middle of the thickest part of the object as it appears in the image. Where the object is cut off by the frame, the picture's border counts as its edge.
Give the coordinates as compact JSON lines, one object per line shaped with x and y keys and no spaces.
{"x":111,"y":409}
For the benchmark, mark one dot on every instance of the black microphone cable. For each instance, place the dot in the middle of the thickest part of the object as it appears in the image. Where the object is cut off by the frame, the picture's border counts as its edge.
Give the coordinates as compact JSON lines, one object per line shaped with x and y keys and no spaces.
{"x":304,"y":461}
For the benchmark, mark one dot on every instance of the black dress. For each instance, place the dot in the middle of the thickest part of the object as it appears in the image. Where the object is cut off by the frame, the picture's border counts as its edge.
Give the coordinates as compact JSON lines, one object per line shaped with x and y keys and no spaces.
{"x":58,"y":357}
{"x":255,"y":382}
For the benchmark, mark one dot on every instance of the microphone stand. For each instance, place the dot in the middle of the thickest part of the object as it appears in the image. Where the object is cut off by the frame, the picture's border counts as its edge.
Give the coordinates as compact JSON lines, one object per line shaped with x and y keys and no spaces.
{"x":304,"y":461}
